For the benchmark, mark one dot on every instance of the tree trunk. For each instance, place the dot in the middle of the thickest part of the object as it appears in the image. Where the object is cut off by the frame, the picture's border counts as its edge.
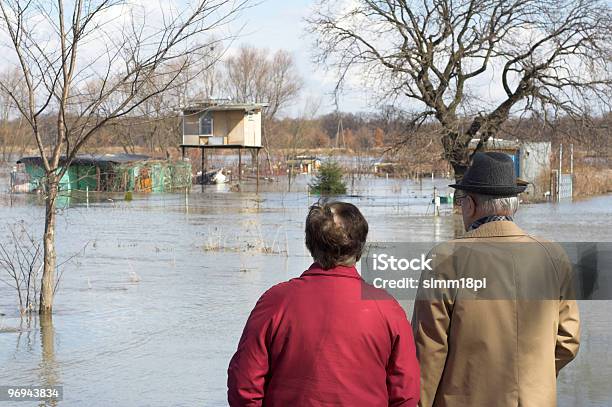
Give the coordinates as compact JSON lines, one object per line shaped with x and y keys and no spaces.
{"x":456,"y":152}
{"x":459,"y":169}
{"x":266,"y":148}
{"x":48,"y":277}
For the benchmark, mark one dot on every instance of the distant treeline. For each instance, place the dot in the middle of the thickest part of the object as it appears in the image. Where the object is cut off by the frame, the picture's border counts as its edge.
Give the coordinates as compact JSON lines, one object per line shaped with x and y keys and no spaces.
{"x":388,"y":130}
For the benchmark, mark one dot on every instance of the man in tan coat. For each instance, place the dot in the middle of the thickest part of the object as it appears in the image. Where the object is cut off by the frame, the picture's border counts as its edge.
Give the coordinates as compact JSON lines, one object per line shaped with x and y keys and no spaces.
{"x":502,"y":345}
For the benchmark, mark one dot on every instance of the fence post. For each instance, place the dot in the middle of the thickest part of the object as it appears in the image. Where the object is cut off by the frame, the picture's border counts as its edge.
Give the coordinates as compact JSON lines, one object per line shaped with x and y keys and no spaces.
{"x":12,"y":185}
{"x":560,"y":172}
{"x":186,"y":199}
{"x":572,"y":159}
{"x":436,"y":199}
{"x":572,"y":171}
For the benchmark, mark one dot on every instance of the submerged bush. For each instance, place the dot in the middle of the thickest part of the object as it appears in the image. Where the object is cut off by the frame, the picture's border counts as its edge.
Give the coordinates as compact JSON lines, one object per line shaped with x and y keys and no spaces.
{"x":589,"y":180}
{"x":328,"y":180}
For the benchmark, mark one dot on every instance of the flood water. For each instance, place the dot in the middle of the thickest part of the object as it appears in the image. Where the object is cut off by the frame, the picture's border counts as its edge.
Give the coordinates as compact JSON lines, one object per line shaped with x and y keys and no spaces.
{"x":150,"y":310}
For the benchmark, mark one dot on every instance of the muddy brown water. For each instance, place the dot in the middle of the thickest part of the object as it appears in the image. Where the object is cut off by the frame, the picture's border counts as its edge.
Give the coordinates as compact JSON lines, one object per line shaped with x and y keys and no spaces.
{"x":150,"y":312}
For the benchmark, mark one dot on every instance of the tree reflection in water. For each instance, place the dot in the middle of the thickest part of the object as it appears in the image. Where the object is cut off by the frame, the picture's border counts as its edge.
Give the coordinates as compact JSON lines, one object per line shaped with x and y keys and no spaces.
{"x":49,"y":373}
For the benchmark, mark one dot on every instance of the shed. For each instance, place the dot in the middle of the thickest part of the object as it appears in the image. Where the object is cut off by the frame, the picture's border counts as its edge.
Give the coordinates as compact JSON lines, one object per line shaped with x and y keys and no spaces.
{"x":305,"y":164}
{"x":214,"y":124}
{"x":110,"y":173}
{"x":531,"y":161}
{"x":211,"y":123}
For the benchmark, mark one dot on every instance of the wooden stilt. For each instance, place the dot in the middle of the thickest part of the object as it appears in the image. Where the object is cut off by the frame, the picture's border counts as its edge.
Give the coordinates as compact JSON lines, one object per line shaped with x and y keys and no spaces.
{"x":257,"y":170}
{"x":239,"y":165}
{"x":203,"y":167}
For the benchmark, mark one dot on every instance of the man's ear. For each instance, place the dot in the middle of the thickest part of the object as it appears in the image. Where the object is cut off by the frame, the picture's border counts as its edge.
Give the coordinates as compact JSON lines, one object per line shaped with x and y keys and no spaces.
{"x":470,"y":205}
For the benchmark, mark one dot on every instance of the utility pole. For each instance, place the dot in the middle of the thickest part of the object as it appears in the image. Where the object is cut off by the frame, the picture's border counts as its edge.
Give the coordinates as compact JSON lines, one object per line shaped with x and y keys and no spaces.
{"x":340,"y":132}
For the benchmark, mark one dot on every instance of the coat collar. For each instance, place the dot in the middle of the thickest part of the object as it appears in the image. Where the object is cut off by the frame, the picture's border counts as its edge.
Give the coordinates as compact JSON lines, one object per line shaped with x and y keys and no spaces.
{"x":338,"y":271}
{"x":495,"y":229}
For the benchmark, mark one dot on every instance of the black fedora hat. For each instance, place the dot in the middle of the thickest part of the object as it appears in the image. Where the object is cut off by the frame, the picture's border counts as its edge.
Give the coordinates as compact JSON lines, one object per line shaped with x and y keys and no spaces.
{"x":491,"y":173}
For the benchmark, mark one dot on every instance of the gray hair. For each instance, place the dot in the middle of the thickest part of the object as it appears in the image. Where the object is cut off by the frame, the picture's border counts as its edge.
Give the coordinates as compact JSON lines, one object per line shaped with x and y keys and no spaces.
{"x":494,"y":205}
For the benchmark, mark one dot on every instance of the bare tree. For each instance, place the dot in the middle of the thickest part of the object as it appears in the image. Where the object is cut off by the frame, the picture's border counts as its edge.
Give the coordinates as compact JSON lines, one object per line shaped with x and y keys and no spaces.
{"x":547,"y":57}
{"x":252,"y":75}
{"x":13,"y":129}
{"x":199,"y":77}
{"x":21,"y":259}
{"x":87,"y":63}
{"x":156,"y":123}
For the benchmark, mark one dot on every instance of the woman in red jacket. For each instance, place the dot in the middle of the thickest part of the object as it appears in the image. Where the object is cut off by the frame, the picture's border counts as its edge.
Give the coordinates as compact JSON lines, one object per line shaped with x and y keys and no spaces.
{"x":313,"y":340}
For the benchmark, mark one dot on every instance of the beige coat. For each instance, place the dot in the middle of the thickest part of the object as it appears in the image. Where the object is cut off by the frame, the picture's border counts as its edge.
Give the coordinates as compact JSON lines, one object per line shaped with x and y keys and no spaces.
{"x":496,"y":352}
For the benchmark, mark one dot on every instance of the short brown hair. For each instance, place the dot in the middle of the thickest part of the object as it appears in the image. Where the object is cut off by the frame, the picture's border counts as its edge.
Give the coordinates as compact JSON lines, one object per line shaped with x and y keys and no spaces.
{"x":336,"y":233}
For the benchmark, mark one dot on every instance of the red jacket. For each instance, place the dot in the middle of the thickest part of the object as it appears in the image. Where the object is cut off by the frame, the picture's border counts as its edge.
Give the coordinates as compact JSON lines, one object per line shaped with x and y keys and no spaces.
{"x":313,"y":341}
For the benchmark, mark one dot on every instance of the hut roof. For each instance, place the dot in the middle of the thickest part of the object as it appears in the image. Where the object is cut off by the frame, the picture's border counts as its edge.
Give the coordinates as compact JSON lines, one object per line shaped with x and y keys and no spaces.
{"x":90,"y":159}
{"x":208,"y":107}
{"x":496,"y":144}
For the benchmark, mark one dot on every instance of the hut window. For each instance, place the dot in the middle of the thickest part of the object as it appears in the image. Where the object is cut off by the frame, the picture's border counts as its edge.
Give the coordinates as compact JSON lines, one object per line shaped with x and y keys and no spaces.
{"x":206,"y":124}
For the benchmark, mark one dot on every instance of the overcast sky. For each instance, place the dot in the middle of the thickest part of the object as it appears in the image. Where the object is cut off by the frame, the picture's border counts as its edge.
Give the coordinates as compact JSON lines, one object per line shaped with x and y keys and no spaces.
{"x":279,"y":24}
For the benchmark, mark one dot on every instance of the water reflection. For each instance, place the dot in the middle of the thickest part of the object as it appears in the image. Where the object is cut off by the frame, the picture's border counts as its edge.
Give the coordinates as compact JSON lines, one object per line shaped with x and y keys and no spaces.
{"x":35,"y":339}
{"x":25,"y":334}
{"x":49,"y":369}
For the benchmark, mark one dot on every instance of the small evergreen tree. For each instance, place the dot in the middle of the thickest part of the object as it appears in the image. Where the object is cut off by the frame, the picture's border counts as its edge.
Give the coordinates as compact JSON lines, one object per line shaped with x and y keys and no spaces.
{"x":328,"y":180}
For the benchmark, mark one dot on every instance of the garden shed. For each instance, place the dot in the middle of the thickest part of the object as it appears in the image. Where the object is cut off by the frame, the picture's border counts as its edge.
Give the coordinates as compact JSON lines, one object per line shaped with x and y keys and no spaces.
{"x":531,"y":162}
{"x":211,"y":123}
{"x":109,"y":173}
